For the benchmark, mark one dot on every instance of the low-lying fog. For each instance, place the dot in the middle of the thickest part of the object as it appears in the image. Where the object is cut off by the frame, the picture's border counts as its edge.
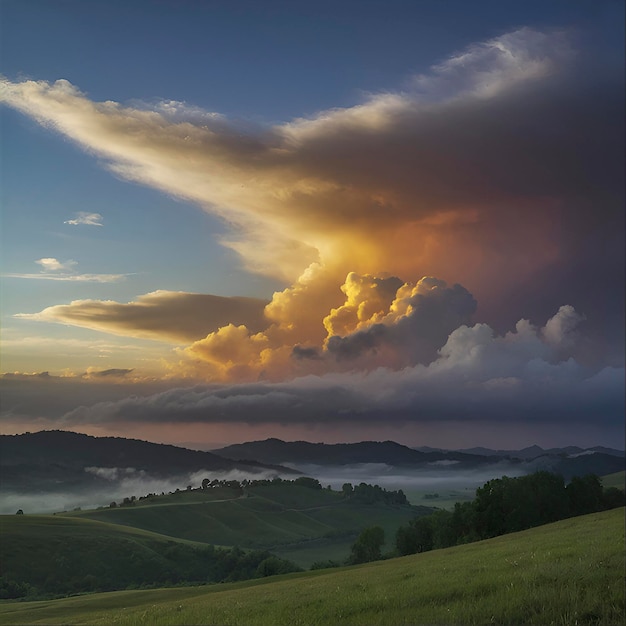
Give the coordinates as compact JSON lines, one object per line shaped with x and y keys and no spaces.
{"x":120,"y":483}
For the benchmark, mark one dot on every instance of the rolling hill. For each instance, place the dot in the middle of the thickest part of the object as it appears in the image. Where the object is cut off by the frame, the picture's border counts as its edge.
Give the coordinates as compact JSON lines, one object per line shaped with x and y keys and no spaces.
{"x":52,"y":460}
{"x":54,"y":555}
{"x":569,"y":572}
{"x":299,"y":523}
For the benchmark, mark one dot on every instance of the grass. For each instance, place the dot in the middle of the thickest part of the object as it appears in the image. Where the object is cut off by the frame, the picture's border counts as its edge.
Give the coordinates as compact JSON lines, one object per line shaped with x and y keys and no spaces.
{"x":282,"y":518}
{"x":64,"y":554}
{"x":567,"y":573}
{"x":618,"y":479}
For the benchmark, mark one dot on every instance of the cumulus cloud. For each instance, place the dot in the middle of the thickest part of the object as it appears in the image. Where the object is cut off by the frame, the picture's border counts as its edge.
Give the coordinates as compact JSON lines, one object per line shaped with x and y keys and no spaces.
{"x":478,"y":375}
{"x":500,"y":169}
{"x":52,"y":265}
{"x":88,"y":219}
{"x":416,"y":324}
{"x":172,"y":316}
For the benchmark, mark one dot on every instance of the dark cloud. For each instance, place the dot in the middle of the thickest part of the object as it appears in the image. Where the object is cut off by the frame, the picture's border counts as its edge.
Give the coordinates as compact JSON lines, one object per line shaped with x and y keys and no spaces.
{"x":522,"y":376}
{"x":113,"y":372}
{"x":302,"y":352}
{"x":431,"y":311}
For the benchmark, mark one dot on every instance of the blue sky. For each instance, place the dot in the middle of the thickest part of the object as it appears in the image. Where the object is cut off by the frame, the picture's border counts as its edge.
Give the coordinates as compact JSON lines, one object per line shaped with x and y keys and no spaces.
{"x":521,"y":245}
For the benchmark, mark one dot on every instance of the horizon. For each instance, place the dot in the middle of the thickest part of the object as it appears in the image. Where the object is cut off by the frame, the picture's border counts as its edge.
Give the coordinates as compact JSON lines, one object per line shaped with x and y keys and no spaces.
{"x":217,"y":446}
{"x":231,"y":221}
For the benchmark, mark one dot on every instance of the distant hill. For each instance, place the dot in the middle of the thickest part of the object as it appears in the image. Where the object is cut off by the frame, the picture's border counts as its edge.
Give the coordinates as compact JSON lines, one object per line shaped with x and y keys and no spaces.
{"x":568,"y":462}
{"x":532,"y":452}
{"x":388,"y":452}
{"x":58,"y":459}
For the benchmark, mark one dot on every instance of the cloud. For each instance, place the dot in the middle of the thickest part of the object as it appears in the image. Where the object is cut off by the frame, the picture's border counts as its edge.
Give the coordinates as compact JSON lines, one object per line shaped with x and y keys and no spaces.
{"x":172,"y":316}
{"x":478,"y":375}
{"x":51,"y":266}
{"x":501,"y":169}
{"x":415,"y":323}
{"x":88,"y":219}
{"x":115,"y":372}
{"x":80,"y":278}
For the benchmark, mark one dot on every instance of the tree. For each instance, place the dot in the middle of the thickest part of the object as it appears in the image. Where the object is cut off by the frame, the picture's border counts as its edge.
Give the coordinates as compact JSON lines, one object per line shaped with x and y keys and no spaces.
{"x":306,"y":481}
{"x":585,"y":494}
{"x":19,"y":512}
{"x":367,"y":546}
{"x":205,"y":483}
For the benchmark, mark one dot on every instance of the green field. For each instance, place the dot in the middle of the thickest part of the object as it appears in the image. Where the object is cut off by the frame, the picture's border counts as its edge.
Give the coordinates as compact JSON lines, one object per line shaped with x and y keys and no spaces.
{"x":569,"y":572}
{"x":617,"y":480}
{"x":57,"y":555}
{"x":295,"y":522}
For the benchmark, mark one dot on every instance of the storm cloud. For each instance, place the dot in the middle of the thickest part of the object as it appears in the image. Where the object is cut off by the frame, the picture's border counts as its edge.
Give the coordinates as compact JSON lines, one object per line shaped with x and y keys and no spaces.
{"x":501,"y":170}
{"x":412,"y":231}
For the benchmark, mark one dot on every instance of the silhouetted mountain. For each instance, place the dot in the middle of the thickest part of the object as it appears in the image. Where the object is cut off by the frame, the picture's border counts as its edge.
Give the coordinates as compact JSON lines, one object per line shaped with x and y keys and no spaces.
{"x":570,"y":461}
{"x":388,"y":452}
{"x":578,"y":464}
{"x":59,"y":458}
{"x":533,"y":452}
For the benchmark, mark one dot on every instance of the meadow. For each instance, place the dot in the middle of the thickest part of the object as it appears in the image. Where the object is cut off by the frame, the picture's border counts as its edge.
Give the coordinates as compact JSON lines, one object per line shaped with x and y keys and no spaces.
{"x":570,"y":572}
{"x":617,"y":480}
{"x":295,"y":522}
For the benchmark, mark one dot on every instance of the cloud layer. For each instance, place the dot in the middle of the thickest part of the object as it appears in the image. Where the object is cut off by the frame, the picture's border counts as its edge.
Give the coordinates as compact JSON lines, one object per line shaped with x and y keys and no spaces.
{"x":521,"y":376}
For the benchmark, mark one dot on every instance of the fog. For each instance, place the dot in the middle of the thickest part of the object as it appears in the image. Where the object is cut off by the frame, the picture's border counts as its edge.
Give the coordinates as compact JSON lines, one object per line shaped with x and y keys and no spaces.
{"x":393,"y":478}
{"x":117,"y":483}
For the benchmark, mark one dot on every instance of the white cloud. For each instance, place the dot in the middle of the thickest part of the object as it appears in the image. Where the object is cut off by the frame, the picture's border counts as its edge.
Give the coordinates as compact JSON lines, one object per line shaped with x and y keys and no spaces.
{"x":88,"y":219}
{"x":54,"y":265}
{"x":81,"y":278}
{"x":53,"y":269}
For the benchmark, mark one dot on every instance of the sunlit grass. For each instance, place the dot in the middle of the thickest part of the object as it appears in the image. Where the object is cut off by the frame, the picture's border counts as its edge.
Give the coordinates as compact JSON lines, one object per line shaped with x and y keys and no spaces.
{"x":567,"y":573}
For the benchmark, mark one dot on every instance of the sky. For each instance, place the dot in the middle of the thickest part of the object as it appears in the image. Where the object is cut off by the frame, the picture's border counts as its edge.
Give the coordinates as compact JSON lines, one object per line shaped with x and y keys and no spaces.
{"x":330,"y":221}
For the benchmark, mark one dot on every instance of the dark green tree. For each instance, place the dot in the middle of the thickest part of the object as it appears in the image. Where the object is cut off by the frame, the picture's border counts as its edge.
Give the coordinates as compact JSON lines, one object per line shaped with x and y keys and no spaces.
{"x":367,"y":547}
{"x":585,"y":494}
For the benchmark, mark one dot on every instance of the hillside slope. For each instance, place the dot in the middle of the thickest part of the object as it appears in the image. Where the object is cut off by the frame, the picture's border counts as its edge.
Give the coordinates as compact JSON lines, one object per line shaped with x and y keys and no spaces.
{"x":300,"y":523}
{"x":569,"y":572}
{"x":44,"y":555}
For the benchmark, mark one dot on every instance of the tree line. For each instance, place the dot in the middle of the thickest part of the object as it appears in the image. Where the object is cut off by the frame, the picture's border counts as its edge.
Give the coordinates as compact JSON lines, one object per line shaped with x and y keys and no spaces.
{"x":506,"y":505}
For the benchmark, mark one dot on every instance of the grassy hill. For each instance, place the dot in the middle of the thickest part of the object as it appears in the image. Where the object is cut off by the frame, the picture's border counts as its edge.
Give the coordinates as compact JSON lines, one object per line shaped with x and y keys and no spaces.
{"x":569,"y":572}
{"x":295,"y":522}
{"x":617,"y":480}
{"x":45,"y":555}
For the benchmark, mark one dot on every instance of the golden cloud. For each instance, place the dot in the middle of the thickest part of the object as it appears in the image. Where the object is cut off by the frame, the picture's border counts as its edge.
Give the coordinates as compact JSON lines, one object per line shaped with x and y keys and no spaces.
{"x":171,"y":316}
{"x":470,"y":176}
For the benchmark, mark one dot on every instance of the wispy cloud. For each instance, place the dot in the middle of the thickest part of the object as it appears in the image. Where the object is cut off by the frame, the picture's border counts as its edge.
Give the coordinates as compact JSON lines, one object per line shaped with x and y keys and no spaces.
{"x":88,"y":219}
{"x":81,"y":278}
{"x":53,"y":269}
